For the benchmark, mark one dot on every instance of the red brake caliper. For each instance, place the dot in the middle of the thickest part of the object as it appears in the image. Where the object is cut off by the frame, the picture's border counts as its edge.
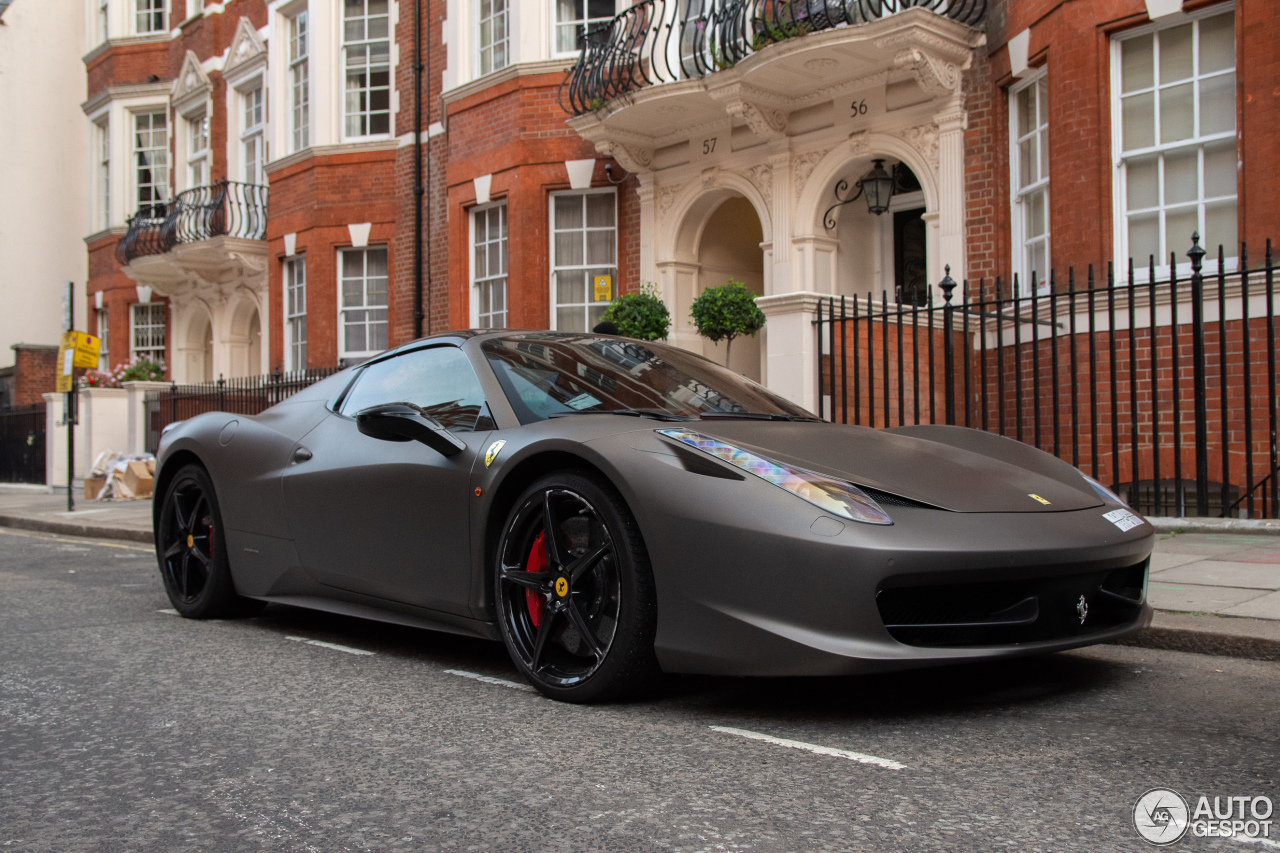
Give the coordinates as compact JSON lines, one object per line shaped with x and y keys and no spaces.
{"x":537,"y":563}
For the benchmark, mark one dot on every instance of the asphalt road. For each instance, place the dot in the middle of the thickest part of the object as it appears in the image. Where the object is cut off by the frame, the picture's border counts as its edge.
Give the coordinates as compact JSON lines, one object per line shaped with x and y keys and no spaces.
{"x":126,"y":728}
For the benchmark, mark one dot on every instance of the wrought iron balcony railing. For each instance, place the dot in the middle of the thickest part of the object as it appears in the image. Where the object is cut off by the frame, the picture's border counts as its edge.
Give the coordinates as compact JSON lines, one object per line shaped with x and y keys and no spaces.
{"x":661,"y":41}
{"x":223,"y":209}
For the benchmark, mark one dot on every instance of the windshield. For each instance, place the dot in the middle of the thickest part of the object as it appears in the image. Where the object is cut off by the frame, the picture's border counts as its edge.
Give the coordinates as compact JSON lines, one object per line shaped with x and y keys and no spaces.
{"x":551,"y":374}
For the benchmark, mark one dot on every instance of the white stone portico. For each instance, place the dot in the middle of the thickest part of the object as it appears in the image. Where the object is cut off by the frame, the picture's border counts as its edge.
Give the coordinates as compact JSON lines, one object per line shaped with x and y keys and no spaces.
{"x":215,"y":273}
{"x":772,"y":136}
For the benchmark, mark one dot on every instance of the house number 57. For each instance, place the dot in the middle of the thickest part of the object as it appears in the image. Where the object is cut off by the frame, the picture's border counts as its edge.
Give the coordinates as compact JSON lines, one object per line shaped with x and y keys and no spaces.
{"x":709,"y":145}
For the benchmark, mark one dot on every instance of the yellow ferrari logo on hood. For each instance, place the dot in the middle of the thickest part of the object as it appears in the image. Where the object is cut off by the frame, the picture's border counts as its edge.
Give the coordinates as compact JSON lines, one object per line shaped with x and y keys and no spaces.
{"x":493,"y":451}
{"x":1042,"y":500}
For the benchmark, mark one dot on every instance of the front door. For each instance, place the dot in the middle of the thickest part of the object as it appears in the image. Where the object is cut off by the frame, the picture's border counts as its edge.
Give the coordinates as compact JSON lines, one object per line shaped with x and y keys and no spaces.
{"x":391,"y":519}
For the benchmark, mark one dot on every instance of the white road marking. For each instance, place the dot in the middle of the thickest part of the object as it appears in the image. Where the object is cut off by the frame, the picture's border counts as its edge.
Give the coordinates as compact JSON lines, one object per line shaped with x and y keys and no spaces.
{"x":814,"y":748}
{"x":1265,"y":842}
{"x":168,"y":611}
{"x":489,"y":679}
{"x":322,"y":644}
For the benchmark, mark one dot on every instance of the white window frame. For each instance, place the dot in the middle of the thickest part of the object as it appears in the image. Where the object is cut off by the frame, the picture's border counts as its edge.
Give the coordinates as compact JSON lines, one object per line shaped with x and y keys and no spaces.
{"x":491,"y":319}
{"x":555,"y":267}
{"x":367,"y":114}
{"x":146,"y":12}
{"x":295,"y":312}
{"x":102,"y":171}
{"x":154,"y":309}
{"x":198,"y":159}
{"x":1018,"y":195}
{"x":343,"y":352}
{"x":195,"y":8}
{"x":102,"y":20}
{"x":298,"y":57}
{"x":586,"y":23}
{"x":486,"y":51}
{"x":253,"y":131}
{"x":136,"y":185}
{"x":103,"y":330}
{"x":1197,"y":142}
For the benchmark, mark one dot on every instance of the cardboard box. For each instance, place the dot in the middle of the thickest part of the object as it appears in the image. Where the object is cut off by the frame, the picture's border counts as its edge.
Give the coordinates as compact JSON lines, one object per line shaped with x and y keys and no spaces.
{"x":92,"y":486}
{"x":137,"y":479}
{"x":151,"y":466}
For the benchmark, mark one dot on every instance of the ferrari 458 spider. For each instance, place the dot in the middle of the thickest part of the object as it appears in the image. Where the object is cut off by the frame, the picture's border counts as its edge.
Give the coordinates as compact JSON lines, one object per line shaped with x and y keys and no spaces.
{"x":611,"y":509}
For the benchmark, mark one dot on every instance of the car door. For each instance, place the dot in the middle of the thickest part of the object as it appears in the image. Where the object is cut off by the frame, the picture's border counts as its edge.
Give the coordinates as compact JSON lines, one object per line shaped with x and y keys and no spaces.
{"x":389,"y":519}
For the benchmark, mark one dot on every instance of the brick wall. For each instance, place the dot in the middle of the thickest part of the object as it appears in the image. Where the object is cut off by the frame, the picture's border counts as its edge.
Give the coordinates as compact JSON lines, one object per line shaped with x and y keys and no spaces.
{"x":35,"y":373}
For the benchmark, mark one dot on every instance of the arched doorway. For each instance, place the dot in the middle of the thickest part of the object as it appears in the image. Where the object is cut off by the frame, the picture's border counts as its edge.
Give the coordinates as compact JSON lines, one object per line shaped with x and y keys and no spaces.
{"x":729,"y":249}
{"x":196,"y":352}
{"x":244,"y":339}
{"x":255,"y":345}
{"x":883,"y":255}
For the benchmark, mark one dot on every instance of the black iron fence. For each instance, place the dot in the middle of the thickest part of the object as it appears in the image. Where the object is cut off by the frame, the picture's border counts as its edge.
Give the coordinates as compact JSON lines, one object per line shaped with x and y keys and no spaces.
{"x":224,"y":209}
{"x":660,"y":41}
{"x":246,"y":395}
{"x":1162,"y":386}
{"x":22,"y":437}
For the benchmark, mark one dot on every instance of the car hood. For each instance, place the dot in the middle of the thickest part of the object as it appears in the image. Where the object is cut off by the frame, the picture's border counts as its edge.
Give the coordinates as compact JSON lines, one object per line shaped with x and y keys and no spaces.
{"x":932,"y":470}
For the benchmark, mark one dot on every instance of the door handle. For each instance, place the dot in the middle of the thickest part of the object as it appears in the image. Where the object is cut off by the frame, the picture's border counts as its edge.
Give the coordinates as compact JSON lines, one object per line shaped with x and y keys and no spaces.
{"x":301,"y":454}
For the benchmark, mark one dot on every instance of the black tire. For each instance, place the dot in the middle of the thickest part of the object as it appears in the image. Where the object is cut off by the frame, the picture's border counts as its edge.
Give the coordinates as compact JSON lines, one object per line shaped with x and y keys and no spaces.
{"x":192,"y":552}
{"x":581,"y":628}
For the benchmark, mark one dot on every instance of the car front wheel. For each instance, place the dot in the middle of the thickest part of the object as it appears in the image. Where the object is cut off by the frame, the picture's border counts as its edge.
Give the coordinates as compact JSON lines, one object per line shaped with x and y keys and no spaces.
{"x":191,"y":548}
{"x":575,"y":593}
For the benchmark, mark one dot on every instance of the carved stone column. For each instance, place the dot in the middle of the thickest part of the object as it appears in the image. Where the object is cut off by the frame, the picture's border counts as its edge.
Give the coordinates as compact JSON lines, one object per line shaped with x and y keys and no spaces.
{"x":951,"y":204}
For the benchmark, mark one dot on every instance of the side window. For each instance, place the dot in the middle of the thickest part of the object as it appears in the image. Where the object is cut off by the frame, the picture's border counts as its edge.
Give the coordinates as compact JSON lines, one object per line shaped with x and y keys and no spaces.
{"x":439,"y":380}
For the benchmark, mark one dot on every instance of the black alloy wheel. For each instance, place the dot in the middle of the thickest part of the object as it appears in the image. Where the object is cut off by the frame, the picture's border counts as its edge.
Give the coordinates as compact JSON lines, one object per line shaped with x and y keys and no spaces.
{"x":192,"y":552}
{"x":575,"y":592}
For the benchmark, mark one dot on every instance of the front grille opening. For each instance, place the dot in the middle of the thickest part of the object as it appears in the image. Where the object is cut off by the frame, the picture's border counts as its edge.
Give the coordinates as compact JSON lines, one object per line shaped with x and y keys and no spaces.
{"x":1013,"y":612}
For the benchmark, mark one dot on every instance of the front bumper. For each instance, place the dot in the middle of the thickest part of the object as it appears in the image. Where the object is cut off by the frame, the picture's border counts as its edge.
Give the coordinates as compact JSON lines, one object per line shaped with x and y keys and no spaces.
{"x":752,"y":581}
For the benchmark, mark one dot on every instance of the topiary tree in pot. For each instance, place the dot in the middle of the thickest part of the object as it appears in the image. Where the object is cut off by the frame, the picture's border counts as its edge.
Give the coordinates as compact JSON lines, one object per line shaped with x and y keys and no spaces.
{"x":640,"y":314}
{"x":723,"y":313}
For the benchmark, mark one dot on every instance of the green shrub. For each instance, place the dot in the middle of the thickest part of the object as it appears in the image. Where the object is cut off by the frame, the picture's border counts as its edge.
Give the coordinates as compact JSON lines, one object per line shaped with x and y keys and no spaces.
{"x":640,"y":314}
{"x":143,"y":370}
{"x":723,"y":313}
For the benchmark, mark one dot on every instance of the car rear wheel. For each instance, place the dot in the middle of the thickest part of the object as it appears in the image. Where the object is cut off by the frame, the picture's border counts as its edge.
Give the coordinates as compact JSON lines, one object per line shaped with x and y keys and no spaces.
{"x":191,"y":547}
{"x":575,"y":593}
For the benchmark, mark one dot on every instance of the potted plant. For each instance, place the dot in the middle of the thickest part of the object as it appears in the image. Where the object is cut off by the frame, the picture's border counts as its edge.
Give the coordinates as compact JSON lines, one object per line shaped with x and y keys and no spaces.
{"x":640,"y":314}
{"x":723,"y":313}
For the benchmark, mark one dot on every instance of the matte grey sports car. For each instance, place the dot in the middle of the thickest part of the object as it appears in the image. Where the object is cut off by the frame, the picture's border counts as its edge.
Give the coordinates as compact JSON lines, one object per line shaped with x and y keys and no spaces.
{"x":611,"y":509}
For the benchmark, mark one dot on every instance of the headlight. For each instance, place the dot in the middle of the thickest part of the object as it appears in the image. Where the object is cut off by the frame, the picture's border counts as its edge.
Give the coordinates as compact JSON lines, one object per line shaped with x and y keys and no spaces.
{"x":1102,"y":490}
{"x":827,"y":493}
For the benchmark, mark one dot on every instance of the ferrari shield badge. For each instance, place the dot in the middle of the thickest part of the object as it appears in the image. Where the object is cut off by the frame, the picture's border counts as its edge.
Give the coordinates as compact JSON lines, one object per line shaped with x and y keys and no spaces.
{"x":562,"y":587}
{"x":493,"y":451}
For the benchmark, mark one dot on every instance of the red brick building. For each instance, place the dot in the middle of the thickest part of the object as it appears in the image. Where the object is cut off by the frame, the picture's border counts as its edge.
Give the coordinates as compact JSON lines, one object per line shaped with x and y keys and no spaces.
{"x":1020,"y":136}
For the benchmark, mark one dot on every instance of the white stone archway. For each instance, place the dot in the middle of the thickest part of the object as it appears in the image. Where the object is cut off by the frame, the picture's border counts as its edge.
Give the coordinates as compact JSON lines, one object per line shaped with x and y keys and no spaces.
{"x":193,"y":348}
{"x":243,"y":344}
{"x":680,"y":235}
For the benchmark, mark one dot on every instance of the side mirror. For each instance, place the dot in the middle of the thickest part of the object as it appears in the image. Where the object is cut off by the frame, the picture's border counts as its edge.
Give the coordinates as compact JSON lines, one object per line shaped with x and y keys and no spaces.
{"x":406,"y":422}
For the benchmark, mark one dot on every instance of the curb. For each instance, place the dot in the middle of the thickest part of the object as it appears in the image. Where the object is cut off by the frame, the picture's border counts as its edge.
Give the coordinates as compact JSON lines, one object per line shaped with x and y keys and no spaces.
{"x":71,"y":528}
{"x":1221,"y":636}
{"x":1265,"y":526}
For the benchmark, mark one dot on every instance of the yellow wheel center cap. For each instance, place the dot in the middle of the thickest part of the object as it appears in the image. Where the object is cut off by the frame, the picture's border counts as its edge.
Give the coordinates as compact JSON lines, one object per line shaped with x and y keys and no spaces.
{"x":191,"y":541}
{"x":562,"y":587}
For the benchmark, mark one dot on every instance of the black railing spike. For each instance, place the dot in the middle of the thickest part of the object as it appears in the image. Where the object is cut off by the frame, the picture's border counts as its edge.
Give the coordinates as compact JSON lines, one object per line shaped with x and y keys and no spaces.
{"x":947,"y":285}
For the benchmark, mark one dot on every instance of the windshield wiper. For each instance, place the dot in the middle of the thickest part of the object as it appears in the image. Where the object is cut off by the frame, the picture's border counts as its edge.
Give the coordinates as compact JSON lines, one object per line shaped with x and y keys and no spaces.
{"x":635,"y":413}
{"x":754,"y":416}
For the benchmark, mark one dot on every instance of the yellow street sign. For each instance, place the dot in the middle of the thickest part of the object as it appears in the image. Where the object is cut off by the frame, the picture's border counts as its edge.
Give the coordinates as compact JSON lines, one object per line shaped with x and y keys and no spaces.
{"x":86,"y":347}
{"x":603,"y":287}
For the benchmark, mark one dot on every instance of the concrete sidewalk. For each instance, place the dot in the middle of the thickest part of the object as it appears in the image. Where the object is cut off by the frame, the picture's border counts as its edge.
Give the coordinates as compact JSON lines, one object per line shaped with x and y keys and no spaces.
{"x":1214,"y":583}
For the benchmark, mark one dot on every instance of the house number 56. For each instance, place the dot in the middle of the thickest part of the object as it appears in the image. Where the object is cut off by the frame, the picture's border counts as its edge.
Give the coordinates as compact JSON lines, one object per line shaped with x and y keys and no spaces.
{"x":858,"y":108}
